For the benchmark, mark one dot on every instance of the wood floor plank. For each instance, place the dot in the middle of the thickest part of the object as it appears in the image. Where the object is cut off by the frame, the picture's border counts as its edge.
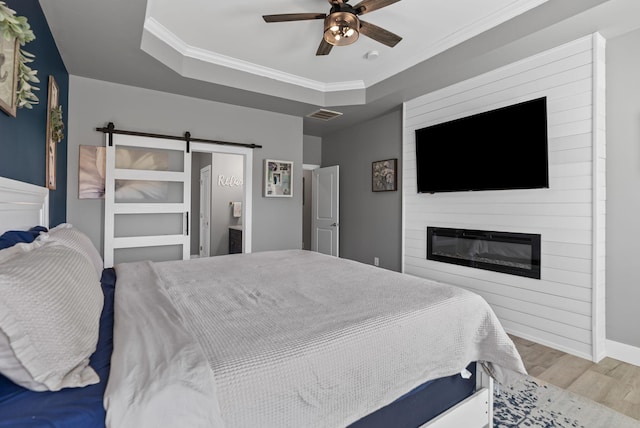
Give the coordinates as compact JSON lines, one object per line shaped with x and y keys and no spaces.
{"x":633,"y":396}
{"x":595,"y":386}
{"x":535,"y":356}
{"x":566,"y":370}
{"x":610,"y":382}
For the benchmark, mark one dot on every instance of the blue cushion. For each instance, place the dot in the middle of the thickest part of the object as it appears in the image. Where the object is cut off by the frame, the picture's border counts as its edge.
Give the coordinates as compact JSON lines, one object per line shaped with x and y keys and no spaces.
{"x":13,"y":237}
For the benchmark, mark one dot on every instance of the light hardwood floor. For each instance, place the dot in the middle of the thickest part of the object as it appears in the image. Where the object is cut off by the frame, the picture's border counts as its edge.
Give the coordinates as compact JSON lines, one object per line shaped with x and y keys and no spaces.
{"x":610,"y":382}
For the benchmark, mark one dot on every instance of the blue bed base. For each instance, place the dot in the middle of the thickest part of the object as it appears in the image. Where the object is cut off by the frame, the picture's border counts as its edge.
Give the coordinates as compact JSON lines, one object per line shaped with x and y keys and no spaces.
{"x":83,"y":407}
{"x":423,"y":403}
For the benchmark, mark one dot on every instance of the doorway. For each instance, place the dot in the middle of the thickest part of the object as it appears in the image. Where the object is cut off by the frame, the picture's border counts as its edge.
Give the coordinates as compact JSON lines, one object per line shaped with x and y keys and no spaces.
{"x":229,"y":197}
{"x":307,"y":179}
{"x":320,"y":210}
{"x":325,"y":210}
{"x":204,"y":247}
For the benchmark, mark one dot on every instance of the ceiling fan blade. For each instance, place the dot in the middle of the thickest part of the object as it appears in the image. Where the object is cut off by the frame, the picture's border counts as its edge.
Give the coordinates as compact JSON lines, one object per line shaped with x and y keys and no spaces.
{"x":324,"y":48}
{"x":366,"y":6}
{"x":379,"y":34}
{"x":284,"y":17}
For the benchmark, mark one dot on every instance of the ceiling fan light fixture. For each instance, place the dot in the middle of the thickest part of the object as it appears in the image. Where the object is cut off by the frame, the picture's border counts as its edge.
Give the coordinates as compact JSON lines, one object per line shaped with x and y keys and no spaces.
{"x":341,"y":28}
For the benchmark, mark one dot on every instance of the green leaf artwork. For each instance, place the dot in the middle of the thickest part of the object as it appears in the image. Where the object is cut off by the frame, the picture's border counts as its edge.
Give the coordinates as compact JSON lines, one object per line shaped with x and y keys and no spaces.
{"x":12,"y":26}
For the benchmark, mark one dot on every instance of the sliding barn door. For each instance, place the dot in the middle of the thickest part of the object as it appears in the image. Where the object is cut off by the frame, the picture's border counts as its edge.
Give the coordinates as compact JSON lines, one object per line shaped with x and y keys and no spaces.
{"x":147,"y":199}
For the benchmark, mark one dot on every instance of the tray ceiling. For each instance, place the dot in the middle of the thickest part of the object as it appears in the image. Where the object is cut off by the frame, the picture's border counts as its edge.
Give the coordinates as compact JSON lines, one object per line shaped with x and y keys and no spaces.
{"x":229,"y":43}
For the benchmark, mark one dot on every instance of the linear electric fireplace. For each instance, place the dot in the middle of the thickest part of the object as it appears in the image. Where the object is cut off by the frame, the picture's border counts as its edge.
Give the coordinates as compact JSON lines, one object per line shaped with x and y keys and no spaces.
{"x":512,"y":253}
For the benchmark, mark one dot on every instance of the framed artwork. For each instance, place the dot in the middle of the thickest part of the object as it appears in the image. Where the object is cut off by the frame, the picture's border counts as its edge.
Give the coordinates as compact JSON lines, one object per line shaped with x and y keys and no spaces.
{"x":52,"y":102}
{"x":384,"y":175}
{"x":278,"y":179}
{"x":8,"y":75}
{"x":92,"y":170}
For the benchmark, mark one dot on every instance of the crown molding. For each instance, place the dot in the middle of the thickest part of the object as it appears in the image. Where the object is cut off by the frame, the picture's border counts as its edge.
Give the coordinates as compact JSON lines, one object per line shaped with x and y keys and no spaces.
{"x":170,"y":39}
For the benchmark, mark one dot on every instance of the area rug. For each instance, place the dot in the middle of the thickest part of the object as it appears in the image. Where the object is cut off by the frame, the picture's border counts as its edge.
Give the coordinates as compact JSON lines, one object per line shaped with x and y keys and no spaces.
{"x":532,"y":403}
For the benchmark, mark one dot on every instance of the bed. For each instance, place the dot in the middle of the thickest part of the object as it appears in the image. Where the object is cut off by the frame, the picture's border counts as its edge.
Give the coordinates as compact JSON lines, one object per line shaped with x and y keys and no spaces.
{"x":273,"y":339}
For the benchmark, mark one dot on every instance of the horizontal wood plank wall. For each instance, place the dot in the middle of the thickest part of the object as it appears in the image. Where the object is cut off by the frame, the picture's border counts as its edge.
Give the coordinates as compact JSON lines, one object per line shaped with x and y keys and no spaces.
{"x":557,"y":309}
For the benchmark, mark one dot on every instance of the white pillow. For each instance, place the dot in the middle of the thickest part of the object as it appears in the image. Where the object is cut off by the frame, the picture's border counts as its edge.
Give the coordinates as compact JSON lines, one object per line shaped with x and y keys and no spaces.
{"x":49,"y":316}
{"x":74,"y":238}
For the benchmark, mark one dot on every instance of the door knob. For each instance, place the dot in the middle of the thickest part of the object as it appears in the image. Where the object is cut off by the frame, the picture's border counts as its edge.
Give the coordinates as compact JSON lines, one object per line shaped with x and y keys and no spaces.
{"x":334,"y":225}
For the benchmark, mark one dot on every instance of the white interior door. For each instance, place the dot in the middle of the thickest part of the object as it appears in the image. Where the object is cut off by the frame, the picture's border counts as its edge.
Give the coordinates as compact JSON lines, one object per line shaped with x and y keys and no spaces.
{"x":325,"y":225}
{"x":147,"y":199}
{"x":205,"y":211}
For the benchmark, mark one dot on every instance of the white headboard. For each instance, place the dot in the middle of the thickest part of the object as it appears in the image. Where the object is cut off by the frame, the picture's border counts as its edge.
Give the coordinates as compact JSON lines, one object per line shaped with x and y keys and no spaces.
{"x":22,"y":205}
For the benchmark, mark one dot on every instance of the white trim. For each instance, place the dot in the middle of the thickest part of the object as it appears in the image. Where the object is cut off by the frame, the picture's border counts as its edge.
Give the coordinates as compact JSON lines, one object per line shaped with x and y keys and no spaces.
{"x":137,"y":174}
{"x":140,"y":141}
{"x":147,"y":208}
{"x":623,"y":352}
{"x":598,"y":317}
{"x":170,"y":39}
{"x":554,"y":345}
{"x":309,"y":167}
{"x":148,"y":241}
{"x":403,"y":207}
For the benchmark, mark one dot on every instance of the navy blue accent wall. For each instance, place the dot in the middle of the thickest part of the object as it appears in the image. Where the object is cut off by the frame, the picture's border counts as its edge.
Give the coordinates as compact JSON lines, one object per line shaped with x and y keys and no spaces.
{"x":23,"y":138}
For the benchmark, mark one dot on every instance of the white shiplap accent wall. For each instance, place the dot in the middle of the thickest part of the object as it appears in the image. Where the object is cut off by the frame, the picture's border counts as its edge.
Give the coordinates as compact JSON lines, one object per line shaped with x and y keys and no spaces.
{"x":565,"y":308}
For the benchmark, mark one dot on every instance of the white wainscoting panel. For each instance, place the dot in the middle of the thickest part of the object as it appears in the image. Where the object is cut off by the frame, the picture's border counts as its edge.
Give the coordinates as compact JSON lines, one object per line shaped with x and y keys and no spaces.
{"x":565,"y":308}
{"x":22,"y":205}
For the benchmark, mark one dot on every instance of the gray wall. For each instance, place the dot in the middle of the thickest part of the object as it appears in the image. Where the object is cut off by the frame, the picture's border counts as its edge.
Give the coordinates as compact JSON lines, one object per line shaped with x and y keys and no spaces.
{"x":312,"y":150}
{"x":623,"y":188}
{"x":277,"y":222}
{"x":370,"y":223}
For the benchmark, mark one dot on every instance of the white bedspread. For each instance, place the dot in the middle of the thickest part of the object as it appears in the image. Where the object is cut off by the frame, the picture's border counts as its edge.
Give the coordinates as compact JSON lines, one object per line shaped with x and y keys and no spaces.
{"x":293,"y":338}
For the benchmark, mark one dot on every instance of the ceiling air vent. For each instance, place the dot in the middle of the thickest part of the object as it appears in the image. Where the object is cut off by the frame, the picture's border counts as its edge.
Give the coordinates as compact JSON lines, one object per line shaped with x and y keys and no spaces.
{"x":325,"y":115}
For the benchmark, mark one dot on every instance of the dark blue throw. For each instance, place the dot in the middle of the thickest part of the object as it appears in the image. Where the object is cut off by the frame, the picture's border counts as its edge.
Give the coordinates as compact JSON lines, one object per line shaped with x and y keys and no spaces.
{"x":13,"y":237}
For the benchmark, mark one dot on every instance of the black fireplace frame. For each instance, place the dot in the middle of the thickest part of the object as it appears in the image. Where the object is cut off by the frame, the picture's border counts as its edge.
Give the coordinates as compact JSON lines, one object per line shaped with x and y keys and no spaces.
{"x":491,"y":236}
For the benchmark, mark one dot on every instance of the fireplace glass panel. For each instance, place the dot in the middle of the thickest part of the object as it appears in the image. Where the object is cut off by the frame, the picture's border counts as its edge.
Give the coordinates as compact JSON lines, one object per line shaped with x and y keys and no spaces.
{"x":513,"y":253}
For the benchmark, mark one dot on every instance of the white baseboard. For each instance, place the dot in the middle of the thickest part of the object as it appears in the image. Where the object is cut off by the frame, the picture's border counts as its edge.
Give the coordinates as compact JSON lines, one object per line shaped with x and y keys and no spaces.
{"x":619,"y":351}
{"x":554,"y":345}
{"x":623,"y":352}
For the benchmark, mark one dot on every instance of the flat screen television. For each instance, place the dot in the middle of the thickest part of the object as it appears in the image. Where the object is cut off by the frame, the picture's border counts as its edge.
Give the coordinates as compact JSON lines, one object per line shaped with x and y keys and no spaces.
{"x":499,"y":149}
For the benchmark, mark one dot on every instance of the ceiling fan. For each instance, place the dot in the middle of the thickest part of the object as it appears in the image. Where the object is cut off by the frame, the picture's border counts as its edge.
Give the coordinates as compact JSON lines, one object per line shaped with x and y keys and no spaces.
{"x":342,"y":25}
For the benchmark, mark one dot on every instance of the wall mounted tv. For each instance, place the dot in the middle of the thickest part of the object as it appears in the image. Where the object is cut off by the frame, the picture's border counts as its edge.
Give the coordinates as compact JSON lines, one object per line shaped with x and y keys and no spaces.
{"x":500,"y":149}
